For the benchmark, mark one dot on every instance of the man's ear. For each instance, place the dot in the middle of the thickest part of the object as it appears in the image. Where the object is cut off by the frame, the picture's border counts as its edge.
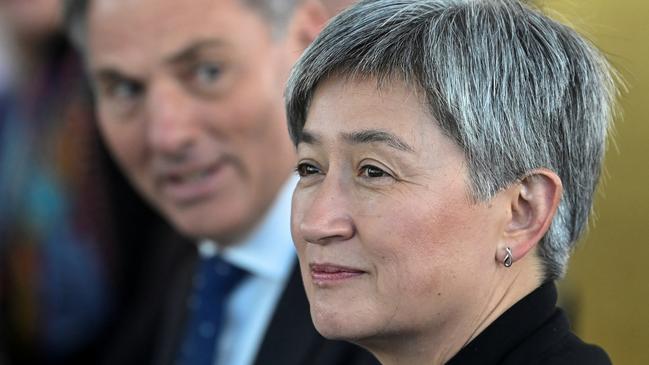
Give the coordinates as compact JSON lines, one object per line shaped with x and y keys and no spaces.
{"x":307,"y":22}
{"x":336,"y":6}
{"x":533,"y":203}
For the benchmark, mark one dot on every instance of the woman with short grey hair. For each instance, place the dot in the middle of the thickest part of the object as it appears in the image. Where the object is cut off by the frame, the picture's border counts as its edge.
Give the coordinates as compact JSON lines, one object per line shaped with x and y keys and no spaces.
{"x":448,"y":153}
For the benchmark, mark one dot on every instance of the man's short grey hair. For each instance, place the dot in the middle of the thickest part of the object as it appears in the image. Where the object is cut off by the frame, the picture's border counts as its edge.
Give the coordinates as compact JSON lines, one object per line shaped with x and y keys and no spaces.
{"x":277,"y":12}
{"x":515,"y":89}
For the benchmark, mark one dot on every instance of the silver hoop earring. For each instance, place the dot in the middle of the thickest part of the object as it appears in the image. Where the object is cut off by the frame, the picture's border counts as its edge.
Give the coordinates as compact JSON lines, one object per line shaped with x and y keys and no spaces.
{"x":507,"y":261}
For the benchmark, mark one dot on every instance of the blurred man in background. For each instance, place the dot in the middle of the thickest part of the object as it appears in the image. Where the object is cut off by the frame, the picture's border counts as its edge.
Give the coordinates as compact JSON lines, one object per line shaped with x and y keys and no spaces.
{"x":190,"y":101}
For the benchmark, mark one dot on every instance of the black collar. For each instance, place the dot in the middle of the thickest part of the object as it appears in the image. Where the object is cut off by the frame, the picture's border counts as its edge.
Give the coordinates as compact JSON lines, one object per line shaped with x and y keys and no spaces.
{"x":510,"y":329}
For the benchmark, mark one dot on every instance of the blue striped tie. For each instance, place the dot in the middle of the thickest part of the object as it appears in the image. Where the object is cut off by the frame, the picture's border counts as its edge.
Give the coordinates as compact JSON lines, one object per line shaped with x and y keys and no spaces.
{"x":213,"y":281}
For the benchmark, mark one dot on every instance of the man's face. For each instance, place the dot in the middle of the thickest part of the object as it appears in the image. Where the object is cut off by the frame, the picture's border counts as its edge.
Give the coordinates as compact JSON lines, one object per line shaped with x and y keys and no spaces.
{"x":190,"y":102}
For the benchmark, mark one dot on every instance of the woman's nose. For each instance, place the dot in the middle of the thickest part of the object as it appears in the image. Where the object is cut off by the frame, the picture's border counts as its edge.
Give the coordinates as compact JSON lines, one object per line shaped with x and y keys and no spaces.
{"x":324,"y":215}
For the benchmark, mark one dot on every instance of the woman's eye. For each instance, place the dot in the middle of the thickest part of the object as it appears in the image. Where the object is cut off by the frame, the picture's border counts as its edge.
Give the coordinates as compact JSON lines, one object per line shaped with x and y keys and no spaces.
{"x":305,"y":169}
{"x":373,"y":172}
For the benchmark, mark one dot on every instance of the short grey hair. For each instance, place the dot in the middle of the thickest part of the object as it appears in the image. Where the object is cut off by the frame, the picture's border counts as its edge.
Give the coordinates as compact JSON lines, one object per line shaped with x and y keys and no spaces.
{"x":276,"y":12}
{"x":513,"y":88}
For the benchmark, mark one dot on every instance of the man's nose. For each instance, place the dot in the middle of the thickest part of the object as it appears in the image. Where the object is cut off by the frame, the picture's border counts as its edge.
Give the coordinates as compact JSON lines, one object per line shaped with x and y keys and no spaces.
{"x":325,"y":215}
{"x":170,"y":124}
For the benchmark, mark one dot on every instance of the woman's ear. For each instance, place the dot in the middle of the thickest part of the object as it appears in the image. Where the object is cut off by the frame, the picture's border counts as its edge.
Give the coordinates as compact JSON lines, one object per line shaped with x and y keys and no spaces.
{"x":533,"y":203}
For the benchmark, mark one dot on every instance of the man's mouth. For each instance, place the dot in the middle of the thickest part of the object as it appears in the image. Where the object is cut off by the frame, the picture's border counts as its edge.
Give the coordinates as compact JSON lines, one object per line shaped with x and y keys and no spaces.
{"x":193,"y":186}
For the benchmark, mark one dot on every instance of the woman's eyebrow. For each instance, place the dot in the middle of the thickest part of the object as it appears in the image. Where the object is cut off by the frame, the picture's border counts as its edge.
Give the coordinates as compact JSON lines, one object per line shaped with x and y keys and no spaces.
{"x":309,"y":138}
{"x":377,"y":135}
{"x":361,"y":137}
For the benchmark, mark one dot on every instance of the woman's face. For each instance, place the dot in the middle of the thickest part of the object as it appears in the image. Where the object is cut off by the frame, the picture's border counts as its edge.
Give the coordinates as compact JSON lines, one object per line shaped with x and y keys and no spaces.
{"x":390,"y":244}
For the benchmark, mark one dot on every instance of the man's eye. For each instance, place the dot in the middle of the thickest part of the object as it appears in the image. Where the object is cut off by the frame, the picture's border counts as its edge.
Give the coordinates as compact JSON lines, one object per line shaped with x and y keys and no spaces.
{"x":372,"y":172}
{"x":124,"y":90}
{"x":305,"y":169}
{"x":207,"y":73}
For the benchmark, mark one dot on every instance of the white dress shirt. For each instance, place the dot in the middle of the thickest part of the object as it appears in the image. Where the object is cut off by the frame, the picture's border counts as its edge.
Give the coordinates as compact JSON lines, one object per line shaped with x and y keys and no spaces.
{"x":268,"y":256}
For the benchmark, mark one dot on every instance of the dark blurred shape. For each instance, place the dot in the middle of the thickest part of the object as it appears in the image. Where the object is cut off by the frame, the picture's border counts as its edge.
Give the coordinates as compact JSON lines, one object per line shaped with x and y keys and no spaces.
{"x":67,"y":255}
{"x":52,"y":222}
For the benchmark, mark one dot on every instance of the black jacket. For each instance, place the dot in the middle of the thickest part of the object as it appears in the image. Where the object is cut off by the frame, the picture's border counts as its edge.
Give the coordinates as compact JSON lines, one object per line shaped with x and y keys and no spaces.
{"x":532,"y":332}
{"x":150,"y":334}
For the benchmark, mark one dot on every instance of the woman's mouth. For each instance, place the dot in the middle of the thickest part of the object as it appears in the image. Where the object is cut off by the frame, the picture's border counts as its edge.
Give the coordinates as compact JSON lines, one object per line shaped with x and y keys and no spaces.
{"x":324,"y":274}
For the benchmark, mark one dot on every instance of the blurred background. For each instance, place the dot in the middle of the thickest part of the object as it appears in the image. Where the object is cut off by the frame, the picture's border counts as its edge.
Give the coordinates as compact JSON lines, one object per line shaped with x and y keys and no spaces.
{"x":68,"y":262}
{"x":607,"y":287}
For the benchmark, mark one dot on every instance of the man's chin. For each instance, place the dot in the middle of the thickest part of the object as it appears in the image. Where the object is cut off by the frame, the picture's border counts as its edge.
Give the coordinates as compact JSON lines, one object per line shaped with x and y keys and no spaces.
{"x":204,"y":227}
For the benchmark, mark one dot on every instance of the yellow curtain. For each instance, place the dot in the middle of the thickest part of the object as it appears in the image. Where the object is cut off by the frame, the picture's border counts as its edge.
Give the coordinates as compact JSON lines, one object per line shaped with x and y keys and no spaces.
{"x":607,"y":287}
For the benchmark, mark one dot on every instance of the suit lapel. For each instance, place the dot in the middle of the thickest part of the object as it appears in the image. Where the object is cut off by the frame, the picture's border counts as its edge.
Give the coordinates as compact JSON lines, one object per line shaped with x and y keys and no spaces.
{"x":175,"y":310}
{"x":290,"y":337}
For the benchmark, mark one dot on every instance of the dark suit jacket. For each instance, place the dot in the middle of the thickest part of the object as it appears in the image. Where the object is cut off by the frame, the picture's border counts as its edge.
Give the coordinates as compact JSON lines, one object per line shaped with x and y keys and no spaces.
{"x":151,"y":333}
{"x":532,"y":332}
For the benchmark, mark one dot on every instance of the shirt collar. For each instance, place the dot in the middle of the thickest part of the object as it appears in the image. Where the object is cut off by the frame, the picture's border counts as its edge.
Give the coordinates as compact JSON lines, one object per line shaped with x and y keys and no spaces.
{"x":268,"y":250}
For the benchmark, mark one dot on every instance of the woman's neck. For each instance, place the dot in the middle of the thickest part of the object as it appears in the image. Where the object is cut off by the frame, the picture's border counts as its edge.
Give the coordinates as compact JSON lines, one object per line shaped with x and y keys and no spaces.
{"x":436,"y":346}
{"x":413,"y":349}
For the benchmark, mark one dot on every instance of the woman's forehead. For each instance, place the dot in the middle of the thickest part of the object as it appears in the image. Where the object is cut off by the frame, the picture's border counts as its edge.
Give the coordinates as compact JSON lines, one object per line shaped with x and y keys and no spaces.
{"x":360,"y":109}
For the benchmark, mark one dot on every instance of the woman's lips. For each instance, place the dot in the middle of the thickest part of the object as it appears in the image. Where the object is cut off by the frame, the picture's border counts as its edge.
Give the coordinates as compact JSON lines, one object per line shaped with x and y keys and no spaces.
{"x":323,"y":274}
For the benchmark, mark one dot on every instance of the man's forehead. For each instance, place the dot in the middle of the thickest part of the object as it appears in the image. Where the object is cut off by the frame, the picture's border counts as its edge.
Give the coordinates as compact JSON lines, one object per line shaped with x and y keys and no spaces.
{"x":174,"y":8}
{"x":166,"y":29}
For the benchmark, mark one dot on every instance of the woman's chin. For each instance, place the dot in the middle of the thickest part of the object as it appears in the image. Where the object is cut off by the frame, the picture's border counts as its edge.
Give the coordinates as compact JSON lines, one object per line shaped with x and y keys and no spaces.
{"x":334,"y":326}
{"x":360,"y":333}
